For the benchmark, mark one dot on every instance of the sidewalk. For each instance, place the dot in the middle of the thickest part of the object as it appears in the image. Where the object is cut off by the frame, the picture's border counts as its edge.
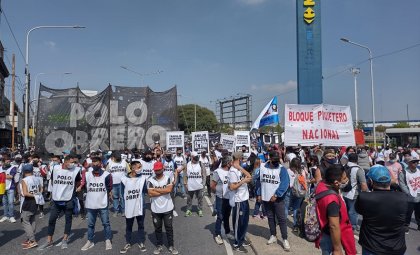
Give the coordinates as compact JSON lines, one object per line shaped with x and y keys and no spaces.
{"x":258,"y":234}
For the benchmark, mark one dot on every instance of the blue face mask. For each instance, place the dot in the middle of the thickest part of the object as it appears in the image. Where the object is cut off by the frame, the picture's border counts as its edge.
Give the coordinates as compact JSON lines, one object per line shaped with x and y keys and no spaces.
{"x":391,"y":161}
{"x":331,"y":161}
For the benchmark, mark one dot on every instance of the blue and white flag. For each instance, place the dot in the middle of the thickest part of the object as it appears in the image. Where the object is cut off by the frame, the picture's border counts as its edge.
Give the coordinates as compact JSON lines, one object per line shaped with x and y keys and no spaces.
{"x":268,"y":116}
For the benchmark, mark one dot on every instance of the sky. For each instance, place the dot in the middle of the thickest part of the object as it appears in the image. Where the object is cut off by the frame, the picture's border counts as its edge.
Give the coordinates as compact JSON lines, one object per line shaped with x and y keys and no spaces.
{"x":218,"y":49}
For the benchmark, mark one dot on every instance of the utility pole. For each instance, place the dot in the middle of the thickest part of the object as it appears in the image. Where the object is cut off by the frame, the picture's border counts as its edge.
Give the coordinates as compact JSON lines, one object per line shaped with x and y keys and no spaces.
{"x":13,"y":102}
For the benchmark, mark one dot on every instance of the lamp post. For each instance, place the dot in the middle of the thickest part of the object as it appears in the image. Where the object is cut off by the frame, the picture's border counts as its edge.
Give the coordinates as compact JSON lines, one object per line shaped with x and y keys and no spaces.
{"x":355,"y":72}
{"x":27,"y":80}
{"x":371,"y":83}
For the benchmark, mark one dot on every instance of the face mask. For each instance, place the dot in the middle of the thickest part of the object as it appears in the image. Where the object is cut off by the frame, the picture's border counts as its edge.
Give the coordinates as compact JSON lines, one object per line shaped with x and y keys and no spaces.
{"x":179,"y":154}
{"x":196,"y":158}
{"x":6,"y":165}
{"x":72,"y":165}
{"x":168,"y":158}
{"x":148,"y":159}
{"x":331,"y":161}
{"x":96,"y":168}
{"x":392,"y":161}
{"x":18,"y":161}
{"x":343,"y":185}
{"x":275,"y":163}
{"x":138,"y":171}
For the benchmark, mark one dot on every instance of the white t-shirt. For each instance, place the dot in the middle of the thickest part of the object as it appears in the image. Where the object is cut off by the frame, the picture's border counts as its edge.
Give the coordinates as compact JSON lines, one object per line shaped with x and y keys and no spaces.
{"x":147,"y":168}
{"x":292,"y":177}
{"x":180,"y":162}
{"x":270,"y":181}
{"x":96,"y":193}
{"x":241,"y":194}
{"x":206,"y":164}
{"x":163,"y":203}
{"x":194,"y":177}
{"x":117,"y":170}
{"x":220,"y":176}
{"x":133,"y":189}
{"x":169,"y":169}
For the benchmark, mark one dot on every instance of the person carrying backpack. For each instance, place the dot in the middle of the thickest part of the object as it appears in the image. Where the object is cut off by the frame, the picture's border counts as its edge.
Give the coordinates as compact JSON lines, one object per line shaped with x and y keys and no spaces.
{"x":357,"y":183}
{"x":298,"y":190}
{"x":336,"y":231}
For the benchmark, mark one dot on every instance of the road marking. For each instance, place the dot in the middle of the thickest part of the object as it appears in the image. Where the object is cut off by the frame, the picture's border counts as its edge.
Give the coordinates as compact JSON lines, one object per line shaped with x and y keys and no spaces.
{"x":226,"y":242}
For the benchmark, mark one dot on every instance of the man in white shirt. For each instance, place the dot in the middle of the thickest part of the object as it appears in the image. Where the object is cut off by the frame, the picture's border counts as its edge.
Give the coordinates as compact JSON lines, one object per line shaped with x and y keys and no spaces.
{"x":206,"y":161}
{"x":159,"y":188}
{"x":238,"y":179}
{"x":117,"y":168}
{"x":194,"y":179}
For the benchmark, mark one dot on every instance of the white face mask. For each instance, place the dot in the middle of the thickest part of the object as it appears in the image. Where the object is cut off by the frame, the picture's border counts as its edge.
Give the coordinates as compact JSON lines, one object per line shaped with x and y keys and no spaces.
{"x":72,"y":165}
{"x":343,"y":185}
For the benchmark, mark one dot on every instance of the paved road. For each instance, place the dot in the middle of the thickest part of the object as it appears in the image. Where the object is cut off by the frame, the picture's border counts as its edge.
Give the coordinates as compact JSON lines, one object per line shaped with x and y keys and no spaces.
{"x":193,"y":236}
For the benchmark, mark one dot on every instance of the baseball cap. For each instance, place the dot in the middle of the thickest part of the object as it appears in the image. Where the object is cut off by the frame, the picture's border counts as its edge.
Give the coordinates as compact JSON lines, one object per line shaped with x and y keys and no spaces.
{"x":157,"y":166}
{"x":412,"y":159}
{"x":379,"y":174}
{"x":194,"y":154}
{"x":27,"y":168}
{"x":237,"y":155}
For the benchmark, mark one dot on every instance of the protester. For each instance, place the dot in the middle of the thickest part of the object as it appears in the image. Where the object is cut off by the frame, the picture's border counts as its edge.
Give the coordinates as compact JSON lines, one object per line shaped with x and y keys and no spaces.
{"x":257,"y":191}
{"x":329,"y":158}
{"x":134,"y":190}
{"x":194,"y":179}
{"x":181,"y":162}
{"x":64,"y":181}
{"x":170,"y":167}
{"x":159,"y":188}
{"x":382,"y":230}
{"x":9,"y":196}
{"x":358,"y":183}
{"x":395,"y":169}
{"x":219,"y":185}
{"x":147,"y":163}
{"x":273,"y":179}
{"x":206,"y":162}
{"x":363,"y":160}
{"x":31,"y":192}
{"x":118,"y":168}
{"x":409,"y":180}
{"x":98,"y":191}
{"x":238,"y":179}
{"x":337,"y":234}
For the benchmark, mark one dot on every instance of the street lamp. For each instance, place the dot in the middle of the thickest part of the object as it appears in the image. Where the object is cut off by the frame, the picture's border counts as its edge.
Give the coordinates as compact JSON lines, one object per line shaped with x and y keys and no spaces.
{"x":27,"y":80}
{"x":355,"y":72}
{"x":371,"y":82}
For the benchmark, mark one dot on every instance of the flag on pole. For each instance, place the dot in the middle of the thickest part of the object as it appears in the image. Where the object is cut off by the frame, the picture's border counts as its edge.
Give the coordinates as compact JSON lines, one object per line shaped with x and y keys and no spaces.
{"x":268,"y":116}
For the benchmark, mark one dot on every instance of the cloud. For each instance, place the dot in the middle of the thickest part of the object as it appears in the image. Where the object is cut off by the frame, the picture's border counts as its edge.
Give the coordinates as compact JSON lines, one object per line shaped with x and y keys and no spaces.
{"x":251,"y":2}
{"x":50,"y":44}
{"x":277,"y":88}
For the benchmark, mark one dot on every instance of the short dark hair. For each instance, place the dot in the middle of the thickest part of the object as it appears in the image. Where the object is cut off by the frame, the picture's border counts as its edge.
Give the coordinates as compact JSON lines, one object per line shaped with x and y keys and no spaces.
{"x":382,"y":185}
{"x":353,"y":157}
{"x":295,"y":163}
{"x":67,"y":158}
{"x":334,"y":173}
{"x":96,"y":159}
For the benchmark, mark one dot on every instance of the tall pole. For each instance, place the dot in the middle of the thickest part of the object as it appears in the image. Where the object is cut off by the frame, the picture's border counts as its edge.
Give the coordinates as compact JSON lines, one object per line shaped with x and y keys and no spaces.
{"x":195,"y":117}
{"x":27,"y":76}
{"x":355,"y":72}
{"x":371,"y":83}
{"x":13,"y":102}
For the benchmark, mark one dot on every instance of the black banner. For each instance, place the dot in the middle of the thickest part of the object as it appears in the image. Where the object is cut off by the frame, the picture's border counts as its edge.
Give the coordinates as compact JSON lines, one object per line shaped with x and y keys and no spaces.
{"x":115,"y":119}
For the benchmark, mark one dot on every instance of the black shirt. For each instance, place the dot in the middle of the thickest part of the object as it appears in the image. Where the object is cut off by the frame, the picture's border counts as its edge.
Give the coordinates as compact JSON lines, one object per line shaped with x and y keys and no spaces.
{"x":383,"y":212}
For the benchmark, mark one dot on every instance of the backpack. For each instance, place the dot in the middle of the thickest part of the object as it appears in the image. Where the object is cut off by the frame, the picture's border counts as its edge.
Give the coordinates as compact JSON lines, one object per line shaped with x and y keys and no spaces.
{"x":310,"y":227}
{"x":349,"y":185}
{"x":297,"y":188}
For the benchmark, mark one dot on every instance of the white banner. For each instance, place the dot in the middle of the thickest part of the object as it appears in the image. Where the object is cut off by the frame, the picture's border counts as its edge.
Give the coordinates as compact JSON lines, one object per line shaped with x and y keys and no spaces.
{"x":242,"y":138}
{"x":307,"y":125}
{"x":228,"y":142}
{"x":174,"y":139}
{"x":200,"y":141}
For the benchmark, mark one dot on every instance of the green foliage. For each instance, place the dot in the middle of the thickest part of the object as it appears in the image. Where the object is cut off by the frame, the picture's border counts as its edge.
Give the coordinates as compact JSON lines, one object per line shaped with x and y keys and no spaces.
{"x":206,"y":120}
{"x":401,"y":125}
{"x":360,"y":125}
{"x":380,"y":128}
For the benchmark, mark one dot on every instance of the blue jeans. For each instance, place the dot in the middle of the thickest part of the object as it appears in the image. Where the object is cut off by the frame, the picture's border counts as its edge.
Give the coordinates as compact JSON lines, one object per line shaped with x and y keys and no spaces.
{"x":223,"y":210}
{"x":8,"y":199}
{"x":104,"y":214}
{"x":287,"y":201}
{"x":259,"y":205}
{"x":180,"y":182}
{"x":351,"y":211}
{"x":295,"y":203}
{"x":326,"y":244}
{"x":118,"y":197}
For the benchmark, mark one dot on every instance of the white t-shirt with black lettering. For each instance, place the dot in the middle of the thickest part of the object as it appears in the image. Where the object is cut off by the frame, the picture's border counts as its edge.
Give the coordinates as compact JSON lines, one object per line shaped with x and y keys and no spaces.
{"x":241,"y":194}
{"x":270,"y":181}
{"x":163,"y":203}
{"x":220,"y":176}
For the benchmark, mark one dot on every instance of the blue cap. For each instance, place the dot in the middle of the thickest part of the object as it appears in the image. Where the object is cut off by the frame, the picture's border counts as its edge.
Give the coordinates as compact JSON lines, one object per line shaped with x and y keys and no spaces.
{"x":27,"y":168}
{"x":66,"y":152}
{"x":379,"y":174}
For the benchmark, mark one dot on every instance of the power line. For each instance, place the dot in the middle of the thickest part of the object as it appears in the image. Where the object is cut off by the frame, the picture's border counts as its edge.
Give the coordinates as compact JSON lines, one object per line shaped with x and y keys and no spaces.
{"x":13,"y":34}
{"x":379,"y":56}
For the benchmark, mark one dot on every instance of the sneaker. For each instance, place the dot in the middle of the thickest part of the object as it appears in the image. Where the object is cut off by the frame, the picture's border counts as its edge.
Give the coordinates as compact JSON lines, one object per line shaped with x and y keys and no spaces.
{"x":64,"y":244}
{"x":214,"y":213}
{"x":29,"y":245}
{"x":108,"y":245}
{"x":142,"y":247}
{"x":286,"y":245}
{"x":273,"y":239}
{"x":173,"y":250}
{"x":200,"y":213}
{"x":41,"y":215}
{"x":175,"y":214}
{"x":83,"y":216}
{"x":125,"y":249}
{"x":246,"y":243}
{"x":25,"y":242}
{"x":4,"y":219}
{"x":295,"y":229}
{"x":12,"y":219}
{"x":240,"y":249}
{"x":46,"y":245}
{"x":188,"y":213}
{"x":218,"y":239}
{"x":407,"y":230}
{"x":88,"y":245}
{"x":158,"y":249}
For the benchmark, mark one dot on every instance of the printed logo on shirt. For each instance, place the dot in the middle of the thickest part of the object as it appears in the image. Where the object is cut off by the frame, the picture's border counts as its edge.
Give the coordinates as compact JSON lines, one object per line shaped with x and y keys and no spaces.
{"x":268,"y":178}
{"x":133,"y":194}
{"x":117,"y":169}
{"x":96,"y":187}
{"x":63,"y":180}
{"x":193,"y":175}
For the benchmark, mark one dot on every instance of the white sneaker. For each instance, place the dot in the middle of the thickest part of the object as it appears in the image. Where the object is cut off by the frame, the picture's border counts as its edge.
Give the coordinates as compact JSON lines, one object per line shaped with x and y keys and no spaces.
{"x":12,"y":219}
{"x":272,"y":240}
{"x":175,"y":213}
{"x":286,"y":245}
{"x":230,"y":236}
{"x":4,"y":219}
{"x":108,"y":245}
{"x":88,"y":245}
{"x":218,"y":239}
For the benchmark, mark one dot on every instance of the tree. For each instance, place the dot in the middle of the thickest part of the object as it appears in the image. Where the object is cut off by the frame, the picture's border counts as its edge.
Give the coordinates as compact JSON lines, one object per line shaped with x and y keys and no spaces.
{"x":360,"y":125}
{"x":401,"y":125}
{"x":206,"y":120}
{"x":380,"y":128}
